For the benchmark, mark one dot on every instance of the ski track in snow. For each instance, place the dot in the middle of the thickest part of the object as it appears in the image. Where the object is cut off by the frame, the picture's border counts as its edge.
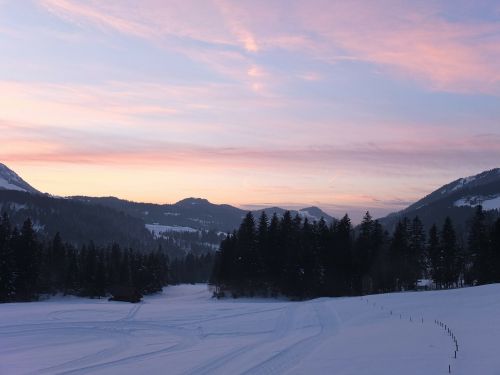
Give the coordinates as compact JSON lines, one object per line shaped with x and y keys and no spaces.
{"x":282,"y":328}
{"x":292,"y":354}
{"x":184,"y":331}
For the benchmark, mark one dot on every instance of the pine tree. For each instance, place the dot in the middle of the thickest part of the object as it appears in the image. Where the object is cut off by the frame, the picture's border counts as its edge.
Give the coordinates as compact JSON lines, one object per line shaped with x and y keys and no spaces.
{"x":418,"y":258}
{"x":248,"y":262}
{"x":262,"y":246}
{"x":399,"y":250}
{"x":59,"y":254}
{"x":53,"y":266}
{"x":435,"y":257}
{"x":89,"y":270}
{"x":273,"y":257}
{"x":450,"y":251}
{"x":364,"y":254}
{"x":479,"y":248}
{"x":27,"y":259}
{"x":340,"y":265}
{"x":309,"y":261}
{"x":72,"y":279}
{"x":100,"y":276}
{"x":114,"y":265}
{"x":380,"y":269}
{"x":293,"y":272}
{"x":495,"y":251}
{"x":7,"y":261}
{"x":325,"y":255}
{"x":284,"y":250}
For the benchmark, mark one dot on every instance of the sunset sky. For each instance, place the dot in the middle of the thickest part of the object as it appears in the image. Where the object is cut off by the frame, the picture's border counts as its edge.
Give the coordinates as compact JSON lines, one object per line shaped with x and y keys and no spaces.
{"x":347,"y":105}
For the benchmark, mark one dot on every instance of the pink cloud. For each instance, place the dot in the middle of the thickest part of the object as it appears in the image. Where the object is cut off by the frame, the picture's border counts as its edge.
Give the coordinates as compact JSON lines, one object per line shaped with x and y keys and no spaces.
{"x":118,"y":104}
{"x":409,"y":39}
{"x":60,"y":144}
{"x":413,"y":39}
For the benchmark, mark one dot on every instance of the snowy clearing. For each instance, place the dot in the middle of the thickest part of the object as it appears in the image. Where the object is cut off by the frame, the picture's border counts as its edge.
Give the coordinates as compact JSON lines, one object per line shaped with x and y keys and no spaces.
{"x":158,"y":229}
{"x":184,"y":331}
{"x":488,"y":203}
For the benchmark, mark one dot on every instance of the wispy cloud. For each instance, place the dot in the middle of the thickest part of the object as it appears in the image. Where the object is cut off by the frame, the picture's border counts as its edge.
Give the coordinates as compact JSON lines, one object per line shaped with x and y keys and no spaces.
{"x":74,"y":145}
{"x":78,"y":12}
{"x":413,"y":40}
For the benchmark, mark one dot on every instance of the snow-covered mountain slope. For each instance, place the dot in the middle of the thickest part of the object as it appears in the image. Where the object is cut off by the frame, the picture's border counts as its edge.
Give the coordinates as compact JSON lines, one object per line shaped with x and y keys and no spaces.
{"x":9,"y":180}
{"x":456,"y":200}
{"x":185,"y":331}
{"x":463,"y":188}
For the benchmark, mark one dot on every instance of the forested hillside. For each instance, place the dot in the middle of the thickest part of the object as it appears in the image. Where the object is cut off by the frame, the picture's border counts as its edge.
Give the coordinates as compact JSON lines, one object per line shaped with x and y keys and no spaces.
{"x":79,"y":222}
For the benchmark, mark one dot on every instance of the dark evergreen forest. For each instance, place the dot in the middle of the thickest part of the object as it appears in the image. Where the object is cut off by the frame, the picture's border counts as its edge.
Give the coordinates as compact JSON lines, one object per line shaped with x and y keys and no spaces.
{"x":278,"y":256}
{"x":299,"y":259}
{"x":30,"y":267}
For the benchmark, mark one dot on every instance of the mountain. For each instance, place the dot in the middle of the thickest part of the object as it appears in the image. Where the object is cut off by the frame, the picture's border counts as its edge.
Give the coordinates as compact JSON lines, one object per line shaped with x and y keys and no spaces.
{"x":190,"y":225}
{"x":196,"y":213}
{"x":78,"y":223}
{"x":456,"y":200}
{"x":9,"y":180}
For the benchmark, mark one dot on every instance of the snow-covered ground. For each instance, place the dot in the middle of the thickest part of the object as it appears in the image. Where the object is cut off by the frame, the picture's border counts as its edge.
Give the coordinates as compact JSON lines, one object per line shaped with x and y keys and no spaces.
{"x":4,"y":184}
{"x":184,"y":331}
{"x":157,"y":229}
{"x":488,"y":203}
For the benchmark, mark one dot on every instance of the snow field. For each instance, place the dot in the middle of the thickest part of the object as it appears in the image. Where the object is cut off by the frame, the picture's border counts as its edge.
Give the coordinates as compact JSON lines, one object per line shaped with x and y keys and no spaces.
{"x":160,"y":229}
{"x":184,"y":331}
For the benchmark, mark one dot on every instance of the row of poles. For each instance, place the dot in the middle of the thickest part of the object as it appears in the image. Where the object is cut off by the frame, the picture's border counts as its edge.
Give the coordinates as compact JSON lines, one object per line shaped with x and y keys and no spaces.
{"x":439,"y":323}
{"x":452,"y":336}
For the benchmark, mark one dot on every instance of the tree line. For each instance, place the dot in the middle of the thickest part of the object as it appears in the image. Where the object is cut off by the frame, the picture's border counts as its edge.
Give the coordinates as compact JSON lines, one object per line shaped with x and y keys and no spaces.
{"x":191,"y":269}
{"x":30,"y":266}
{"x":302,"y":259}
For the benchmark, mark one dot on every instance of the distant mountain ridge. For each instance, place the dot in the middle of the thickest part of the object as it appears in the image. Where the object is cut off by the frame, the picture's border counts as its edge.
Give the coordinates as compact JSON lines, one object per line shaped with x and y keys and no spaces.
{"x":105,"y":220}
{"x":456,"y":200}
{"x":197,"y":213}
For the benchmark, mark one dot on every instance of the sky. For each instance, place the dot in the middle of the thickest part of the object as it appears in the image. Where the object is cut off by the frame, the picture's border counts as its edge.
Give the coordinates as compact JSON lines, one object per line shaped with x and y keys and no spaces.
{"x":346,"y":105}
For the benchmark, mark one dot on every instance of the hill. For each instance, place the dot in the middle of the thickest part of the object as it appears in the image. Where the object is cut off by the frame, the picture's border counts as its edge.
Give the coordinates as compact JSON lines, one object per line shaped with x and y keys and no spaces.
{"x":456,"y":200}
{"x":196,"y":213}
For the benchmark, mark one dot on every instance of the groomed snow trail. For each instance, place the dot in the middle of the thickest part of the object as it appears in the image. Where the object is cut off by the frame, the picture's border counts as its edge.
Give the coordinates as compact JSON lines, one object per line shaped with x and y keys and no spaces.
{"x":184,"y":331}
